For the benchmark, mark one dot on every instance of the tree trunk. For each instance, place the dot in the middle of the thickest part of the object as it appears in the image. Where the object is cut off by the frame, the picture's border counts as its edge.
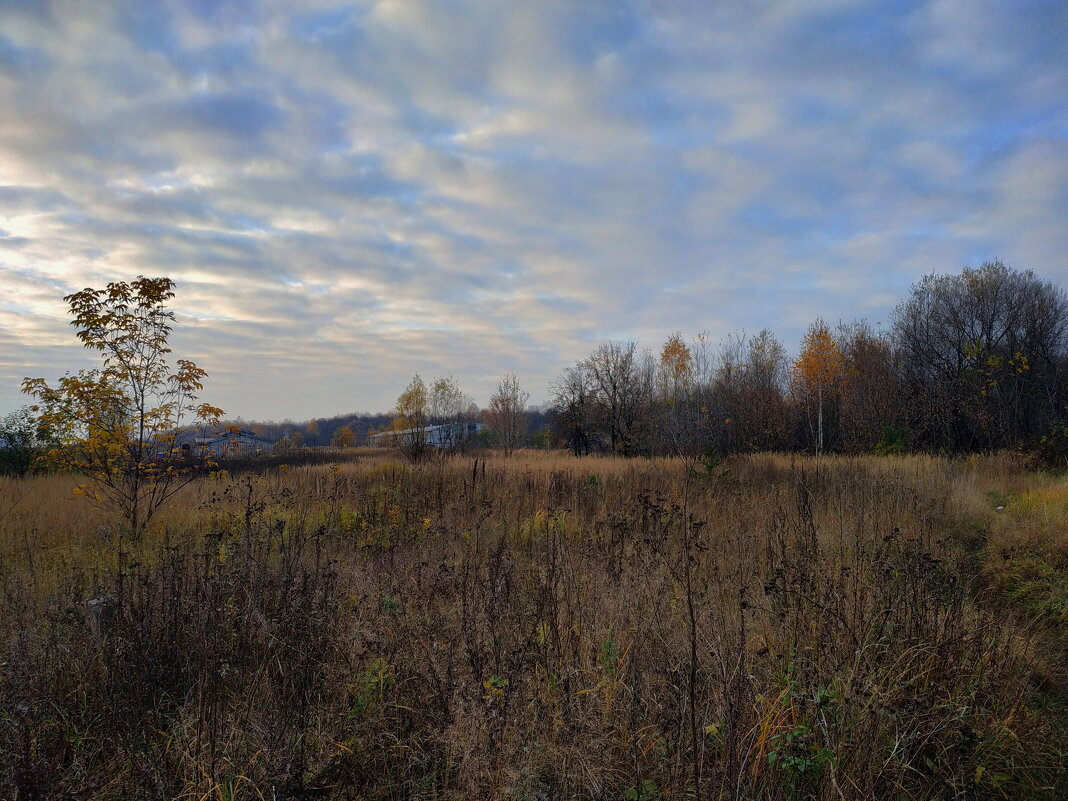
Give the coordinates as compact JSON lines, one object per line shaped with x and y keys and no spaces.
{"x":819,"y":423}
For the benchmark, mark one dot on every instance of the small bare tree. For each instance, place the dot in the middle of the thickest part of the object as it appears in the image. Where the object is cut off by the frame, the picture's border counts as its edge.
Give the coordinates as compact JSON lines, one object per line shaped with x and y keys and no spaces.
{"x":452,"y":408}
{"x":620,"y":389}
{"x":507,"y":412}
{"x":573,"y":409}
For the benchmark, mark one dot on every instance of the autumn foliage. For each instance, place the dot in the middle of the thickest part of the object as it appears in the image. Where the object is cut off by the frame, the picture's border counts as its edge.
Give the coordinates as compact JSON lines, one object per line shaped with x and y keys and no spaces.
{"x":119,"y":426}
{"x":819,"y":370}
{"x":970,"y":362}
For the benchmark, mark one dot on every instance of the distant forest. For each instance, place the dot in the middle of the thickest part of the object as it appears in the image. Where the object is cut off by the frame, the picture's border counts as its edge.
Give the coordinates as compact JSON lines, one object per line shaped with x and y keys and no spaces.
{"x":323,"y":431}
{"x":971,"y":361}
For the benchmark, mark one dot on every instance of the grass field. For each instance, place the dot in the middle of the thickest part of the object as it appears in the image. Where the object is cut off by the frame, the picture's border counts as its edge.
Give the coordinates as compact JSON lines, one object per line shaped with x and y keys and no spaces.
{"x":544,"y":627}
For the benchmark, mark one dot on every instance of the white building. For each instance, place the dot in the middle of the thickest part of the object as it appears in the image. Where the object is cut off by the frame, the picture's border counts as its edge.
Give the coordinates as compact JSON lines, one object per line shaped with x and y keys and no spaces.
{"x":446,"y":435}
{"x":232,"y":443}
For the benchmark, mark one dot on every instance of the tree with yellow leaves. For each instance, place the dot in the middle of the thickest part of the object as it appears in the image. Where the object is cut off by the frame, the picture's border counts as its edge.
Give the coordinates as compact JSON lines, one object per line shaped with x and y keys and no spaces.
{"x":679,"y":424}
{"x":676,"y":363}
{"x":819,"y":368}
{"x":118,"y":426}
{"x":411,"y":418}
{"x":343,"y":438}
{"x":311,"y":432}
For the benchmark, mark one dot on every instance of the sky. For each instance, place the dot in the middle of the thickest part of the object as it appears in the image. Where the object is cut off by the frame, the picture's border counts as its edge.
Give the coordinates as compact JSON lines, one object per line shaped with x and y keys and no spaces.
{"x":349,"y":193}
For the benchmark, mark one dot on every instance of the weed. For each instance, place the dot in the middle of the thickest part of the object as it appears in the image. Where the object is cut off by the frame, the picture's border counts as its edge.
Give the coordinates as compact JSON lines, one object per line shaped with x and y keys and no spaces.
{"x":382,"y":631}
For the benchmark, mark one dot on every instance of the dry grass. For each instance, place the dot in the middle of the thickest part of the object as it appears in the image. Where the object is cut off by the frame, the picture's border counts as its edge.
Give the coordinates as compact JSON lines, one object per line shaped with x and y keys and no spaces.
{"x":540,"y":627}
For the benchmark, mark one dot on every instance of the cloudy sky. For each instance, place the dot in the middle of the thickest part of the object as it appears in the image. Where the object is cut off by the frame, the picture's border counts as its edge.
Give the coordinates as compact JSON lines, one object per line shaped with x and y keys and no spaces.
{"x":348,"y":193}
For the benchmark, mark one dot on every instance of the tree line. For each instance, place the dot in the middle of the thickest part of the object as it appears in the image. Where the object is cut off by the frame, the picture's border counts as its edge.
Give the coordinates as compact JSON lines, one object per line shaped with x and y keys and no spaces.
{"x":970,"y":361}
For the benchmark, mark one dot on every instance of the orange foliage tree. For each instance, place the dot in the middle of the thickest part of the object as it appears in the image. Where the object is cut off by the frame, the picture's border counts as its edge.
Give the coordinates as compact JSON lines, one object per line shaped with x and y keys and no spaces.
{"x":343,"y":438}
{"x":676,"y":359}
{"x":819,"y":368}
{"x":680,"y":418}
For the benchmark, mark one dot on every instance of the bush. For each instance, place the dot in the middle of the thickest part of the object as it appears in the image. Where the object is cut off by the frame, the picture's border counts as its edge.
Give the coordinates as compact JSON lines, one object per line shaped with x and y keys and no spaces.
{"x":1051,"y":450}
{"x":20,"y":443}
{"x":892,"y":443}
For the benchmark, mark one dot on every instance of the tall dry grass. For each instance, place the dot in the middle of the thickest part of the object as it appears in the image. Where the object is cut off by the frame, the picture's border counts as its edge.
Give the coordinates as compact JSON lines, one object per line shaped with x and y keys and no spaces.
{"x":538,"y":627}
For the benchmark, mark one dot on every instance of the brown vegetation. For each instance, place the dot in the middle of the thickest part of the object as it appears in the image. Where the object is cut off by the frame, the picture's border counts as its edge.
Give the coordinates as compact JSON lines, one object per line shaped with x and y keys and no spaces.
{"x":970,"y":362}
{"x":543,"y":627}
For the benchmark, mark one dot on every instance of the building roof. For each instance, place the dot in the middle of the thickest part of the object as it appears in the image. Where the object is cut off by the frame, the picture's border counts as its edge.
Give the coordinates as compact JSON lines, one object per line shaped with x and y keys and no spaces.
{"x":230,"y":436}
{"x":468,"y":426}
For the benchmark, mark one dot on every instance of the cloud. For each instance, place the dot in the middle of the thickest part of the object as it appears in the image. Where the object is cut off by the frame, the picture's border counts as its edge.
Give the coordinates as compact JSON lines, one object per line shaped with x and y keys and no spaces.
{"x":347,"y":193}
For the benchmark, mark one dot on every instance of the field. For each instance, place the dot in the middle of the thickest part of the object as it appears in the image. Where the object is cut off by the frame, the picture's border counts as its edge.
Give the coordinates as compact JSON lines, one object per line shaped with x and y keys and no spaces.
{"x":544,"y":627}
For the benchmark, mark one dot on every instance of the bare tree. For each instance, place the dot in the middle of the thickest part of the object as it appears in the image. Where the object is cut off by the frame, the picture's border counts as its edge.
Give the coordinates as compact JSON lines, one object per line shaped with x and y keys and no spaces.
{"x":573,"y":409}
{"x":870,"y":407}
{"x":675,"y":419}
{"x":452,"y":408}
{"x":620,"y":387}
{"x":507,"y":412}
{"x":758,"y":411}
